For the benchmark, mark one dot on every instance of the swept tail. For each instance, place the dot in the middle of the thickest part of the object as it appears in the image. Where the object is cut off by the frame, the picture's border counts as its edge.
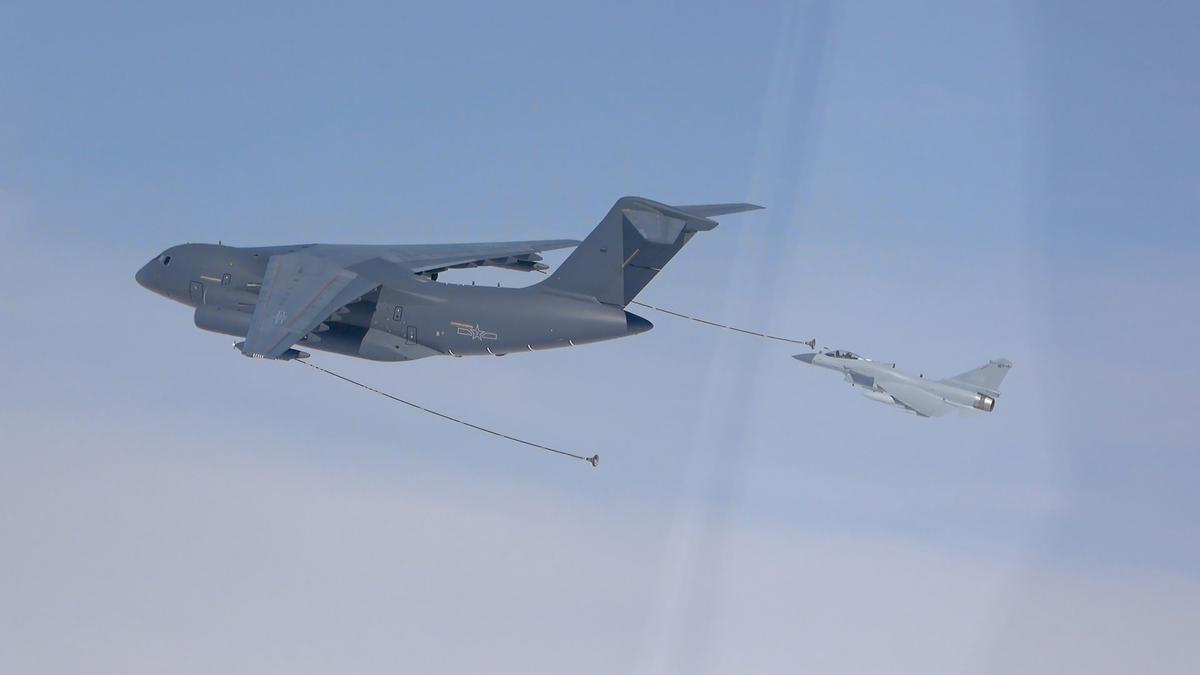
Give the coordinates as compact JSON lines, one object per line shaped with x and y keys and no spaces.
{"x":630,"y":247}
{"x":987,"y":377}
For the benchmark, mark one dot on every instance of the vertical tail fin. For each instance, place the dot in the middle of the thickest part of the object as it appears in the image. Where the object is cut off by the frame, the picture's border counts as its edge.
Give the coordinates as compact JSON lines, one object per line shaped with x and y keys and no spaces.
{"x":631,"y":245}
{"x":988,"y":377}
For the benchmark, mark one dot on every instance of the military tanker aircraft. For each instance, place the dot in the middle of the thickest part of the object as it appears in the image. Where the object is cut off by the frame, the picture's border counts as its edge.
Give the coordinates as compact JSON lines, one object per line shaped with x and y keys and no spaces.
{"x":385,"y":303}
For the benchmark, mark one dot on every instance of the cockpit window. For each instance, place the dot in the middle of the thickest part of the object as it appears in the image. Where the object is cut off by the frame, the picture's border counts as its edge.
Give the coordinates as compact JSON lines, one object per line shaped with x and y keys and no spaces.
{"x":839,"y":354}
{"x":164,"y":259}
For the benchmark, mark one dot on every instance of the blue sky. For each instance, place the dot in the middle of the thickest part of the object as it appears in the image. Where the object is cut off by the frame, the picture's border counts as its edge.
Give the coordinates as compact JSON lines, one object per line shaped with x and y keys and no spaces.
{"x":945,"y":183}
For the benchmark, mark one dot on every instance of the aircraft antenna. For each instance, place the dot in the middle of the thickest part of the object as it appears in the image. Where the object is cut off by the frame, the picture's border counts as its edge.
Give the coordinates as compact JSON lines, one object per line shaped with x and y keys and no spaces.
{"x":812,"y":344}
{"x":594,"y":460}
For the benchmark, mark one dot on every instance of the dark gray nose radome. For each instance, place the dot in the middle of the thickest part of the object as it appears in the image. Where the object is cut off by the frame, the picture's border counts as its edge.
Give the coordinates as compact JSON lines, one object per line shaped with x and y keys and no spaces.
{"x":807,"y":358}
{"x":635,"y":324}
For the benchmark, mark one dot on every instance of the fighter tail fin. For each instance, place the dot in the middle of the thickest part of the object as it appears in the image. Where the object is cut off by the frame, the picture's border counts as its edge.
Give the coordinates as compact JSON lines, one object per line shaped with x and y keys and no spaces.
{"x":987,"y":377}
{"x":631,"y":245}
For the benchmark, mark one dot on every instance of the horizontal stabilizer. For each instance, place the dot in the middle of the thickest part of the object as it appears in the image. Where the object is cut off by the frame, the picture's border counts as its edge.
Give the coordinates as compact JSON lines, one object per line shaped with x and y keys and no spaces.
{"x":709,"y":210}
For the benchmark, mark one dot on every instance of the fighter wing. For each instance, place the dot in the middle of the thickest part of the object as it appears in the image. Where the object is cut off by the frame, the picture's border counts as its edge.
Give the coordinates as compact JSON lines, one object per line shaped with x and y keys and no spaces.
{"x":916,"y":399}
{"x":299,"y":292}
{"x":514,"y":255}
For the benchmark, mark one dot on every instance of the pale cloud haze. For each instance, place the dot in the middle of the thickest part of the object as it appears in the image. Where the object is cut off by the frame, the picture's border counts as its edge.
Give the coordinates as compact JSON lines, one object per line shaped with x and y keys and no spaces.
{"x":945,"y":184}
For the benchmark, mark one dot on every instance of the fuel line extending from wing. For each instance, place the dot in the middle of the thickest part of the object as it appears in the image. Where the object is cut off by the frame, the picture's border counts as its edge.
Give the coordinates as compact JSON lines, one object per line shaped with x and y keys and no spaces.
{"x":812,"y":344}
{"x":594,"y":460}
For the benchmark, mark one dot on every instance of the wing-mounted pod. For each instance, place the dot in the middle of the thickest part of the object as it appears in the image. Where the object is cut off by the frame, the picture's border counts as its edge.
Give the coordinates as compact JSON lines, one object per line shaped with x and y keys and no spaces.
{"x":288,"y":355}
{"x":531,"y":262}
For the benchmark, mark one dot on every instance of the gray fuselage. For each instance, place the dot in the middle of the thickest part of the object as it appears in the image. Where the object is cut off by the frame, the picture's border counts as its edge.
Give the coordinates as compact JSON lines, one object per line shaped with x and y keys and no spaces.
{"x":407,"y":316}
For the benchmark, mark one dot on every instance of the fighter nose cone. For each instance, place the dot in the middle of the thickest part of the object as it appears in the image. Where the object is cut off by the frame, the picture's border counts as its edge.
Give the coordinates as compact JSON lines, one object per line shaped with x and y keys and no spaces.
{"x":635,"y":324}
{"x":807,"y":358}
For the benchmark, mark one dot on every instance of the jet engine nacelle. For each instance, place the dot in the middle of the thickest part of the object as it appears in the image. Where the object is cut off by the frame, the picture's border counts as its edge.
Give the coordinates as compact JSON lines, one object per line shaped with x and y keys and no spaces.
{"x":338,"y":338}
{"x":224,"y":320}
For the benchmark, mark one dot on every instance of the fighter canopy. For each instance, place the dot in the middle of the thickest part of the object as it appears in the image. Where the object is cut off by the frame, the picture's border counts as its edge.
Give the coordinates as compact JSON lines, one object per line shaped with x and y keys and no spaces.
{"x":840,"y":354}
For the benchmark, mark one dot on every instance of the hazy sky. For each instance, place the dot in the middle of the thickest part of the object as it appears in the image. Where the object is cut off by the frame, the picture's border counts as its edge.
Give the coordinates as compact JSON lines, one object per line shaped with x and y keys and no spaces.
{"x":945,"y":183}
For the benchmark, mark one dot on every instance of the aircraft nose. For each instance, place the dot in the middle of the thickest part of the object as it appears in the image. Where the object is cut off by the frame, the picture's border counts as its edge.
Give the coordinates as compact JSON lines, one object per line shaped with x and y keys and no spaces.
{"x":143,"y":276}
{"x":807,"y":358}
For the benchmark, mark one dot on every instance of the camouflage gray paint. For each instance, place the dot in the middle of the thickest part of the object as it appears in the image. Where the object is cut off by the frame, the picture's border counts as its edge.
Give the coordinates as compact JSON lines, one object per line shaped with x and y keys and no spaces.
{"x":385,"y":303}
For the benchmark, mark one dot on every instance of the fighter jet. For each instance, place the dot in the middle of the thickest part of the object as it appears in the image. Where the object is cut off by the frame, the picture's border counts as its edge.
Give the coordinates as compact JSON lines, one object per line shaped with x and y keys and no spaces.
{"x":385,"y":303}
{"x":974,"y":391}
